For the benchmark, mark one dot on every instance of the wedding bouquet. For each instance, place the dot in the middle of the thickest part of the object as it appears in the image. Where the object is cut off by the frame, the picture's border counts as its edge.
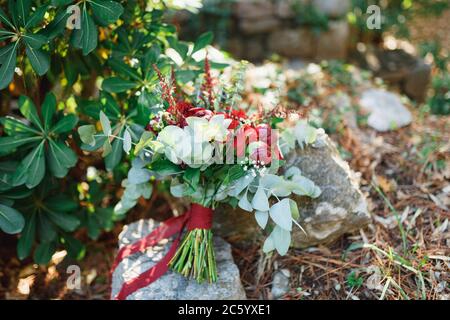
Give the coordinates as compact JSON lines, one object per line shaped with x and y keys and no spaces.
{"x":212,"y":152}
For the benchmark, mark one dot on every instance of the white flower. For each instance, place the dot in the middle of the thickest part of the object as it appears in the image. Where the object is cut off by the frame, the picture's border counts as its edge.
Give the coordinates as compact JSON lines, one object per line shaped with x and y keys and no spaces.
{"x":206,"y":131}
{"x":197,"y":154}
{"x":173,"y":138}
{"x":218,"y":127}
{"x":182,"y":145}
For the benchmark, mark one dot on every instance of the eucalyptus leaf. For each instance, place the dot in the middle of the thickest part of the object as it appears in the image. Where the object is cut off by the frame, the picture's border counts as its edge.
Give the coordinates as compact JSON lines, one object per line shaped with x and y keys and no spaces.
{"x":244,"y":204}
{"x":87,"y":133}
{"x":127,"y":141}
{"x":280,"y":213}
{"x":261,"y":218}
{"x":106,"y":124}
{"x":260,"y":201}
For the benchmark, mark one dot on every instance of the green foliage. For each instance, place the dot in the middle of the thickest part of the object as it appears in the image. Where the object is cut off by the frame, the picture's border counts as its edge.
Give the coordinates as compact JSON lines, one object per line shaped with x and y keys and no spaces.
{"x":43,"y":141}
{"x":439,"y":100}
{"x":354,"y":281}
{"x":57,"y":70}
{"x":306,"y":14}
{"x":395,"y":14}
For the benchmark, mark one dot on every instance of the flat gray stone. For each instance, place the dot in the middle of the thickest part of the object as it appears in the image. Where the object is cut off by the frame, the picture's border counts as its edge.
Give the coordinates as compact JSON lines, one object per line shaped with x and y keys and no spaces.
{"x":386,"y":111}
{"x":340,"y":209}
{"x":280,"y":283}
{"x":173,"y":286}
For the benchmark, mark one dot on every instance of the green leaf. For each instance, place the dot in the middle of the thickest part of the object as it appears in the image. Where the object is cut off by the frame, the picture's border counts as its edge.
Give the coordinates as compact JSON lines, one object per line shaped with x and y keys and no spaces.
{"x":280,"y":213}
{"x":70,"y":71}
{"x":260,"y":200}
{"x":61,"y":158}
{"x":165,"y":167}
{"x":75,"y":248}
{"x":46,"y":229}
{"x":202,"y":41}
{"x":29,"y":111}
{"x":262,"y":218}
{"x":67,"y":222}
{"x":48,"y":109}
{"x":180,"y":47}
{"x":4,"y":19}
{"x":4,"y":35}
{"x":106,"y":124}
{"x":117,"y":85}
{"x":44,"y":252}
{"x":281,"y":239}
{"x":32,"y":168}
{"x":127,"y":141}
{"x":11,"y":220}
{"x":192,"y":177}
{"x":13,"y":126}
{"x":23,"y":10}
{"x":40,"y":61}
{"x":8,"y":60}
{"x":111,"y":108}
{"x":58,"y":3}
{"x":294,"y":209}
{"x":105,"y":11}
{"x":67,"y":123}
{"x":88,"y":31}
{"x":35,"y":41}
{"x":107,"y":148}
{"x":87,"y":133}
{"x":27,"y":238}
{"x":244,"y":204}
{"x":57,"y":25}
{"x":113,"y":159}
{"x":124,"y":69}
{"x":61,"y":203}
{"x":10,"y":144}
{"x":146,"y":140}
{"x":37,"y":17}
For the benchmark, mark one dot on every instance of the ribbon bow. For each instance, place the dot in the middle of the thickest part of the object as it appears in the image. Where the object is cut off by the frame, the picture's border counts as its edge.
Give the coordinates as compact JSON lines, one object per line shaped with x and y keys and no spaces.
{"x":197,"y":217}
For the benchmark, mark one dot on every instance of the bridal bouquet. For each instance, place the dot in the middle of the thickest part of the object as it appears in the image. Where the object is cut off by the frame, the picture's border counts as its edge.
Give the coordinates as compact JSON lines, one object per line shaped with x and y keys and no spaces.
{"x":212,"y":152}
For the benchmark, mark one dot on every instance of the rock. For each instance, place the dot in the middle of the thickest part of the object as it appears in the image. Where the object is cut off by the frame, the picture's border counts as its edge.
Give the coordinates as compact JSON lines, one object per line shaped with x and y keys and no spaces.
{"x":173,"y":285}
{"x":340,"y":209}
{"x":332,"y":43}
{"x":292,"y":43}
{"x":284,"y":8}
{"x":253,"y":9}
{"x":252,"y":26}
{"x":280,"y":283}
{"x":398,"y":67}
{"x":254,"y":49}
{"x":332,"y":8}
{"x":386,"y":110}
{"x":417,"y":80}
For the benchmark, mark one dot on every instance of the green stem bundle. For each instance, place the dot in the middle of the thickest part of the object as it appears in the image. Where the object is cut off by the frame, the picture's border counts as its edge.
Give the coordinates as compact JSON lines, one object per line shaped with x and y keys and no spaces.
{"x":195,"y":256}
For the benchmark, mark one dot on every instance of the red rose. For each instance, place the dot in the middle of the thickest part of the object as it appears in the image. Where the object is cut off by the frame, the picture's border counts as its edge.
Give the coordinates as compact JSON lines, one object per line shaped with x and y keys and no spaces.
{"x":262,"y":134}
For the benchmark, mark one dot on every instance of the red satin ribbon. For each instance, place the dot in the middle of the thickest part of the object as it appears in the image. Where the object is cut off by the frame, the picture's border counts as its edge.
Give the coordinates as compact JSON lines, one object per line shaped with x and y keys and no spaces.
{"x":198,"y":217}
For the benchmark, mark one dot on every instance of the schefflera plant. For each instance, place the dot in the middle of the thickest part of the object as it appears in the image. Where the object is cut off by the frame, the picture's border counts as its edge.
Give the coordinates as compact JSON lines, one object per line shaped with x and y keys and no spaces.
{"x":41,"y":141}
{"x":35,"y":145}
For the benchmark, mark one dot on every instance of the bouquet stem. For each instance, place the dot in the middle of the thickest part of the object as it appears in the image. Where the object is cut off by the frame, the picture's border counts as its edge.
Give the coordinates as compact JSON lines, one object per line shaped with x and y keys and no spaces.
{"x":195,"y":256}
